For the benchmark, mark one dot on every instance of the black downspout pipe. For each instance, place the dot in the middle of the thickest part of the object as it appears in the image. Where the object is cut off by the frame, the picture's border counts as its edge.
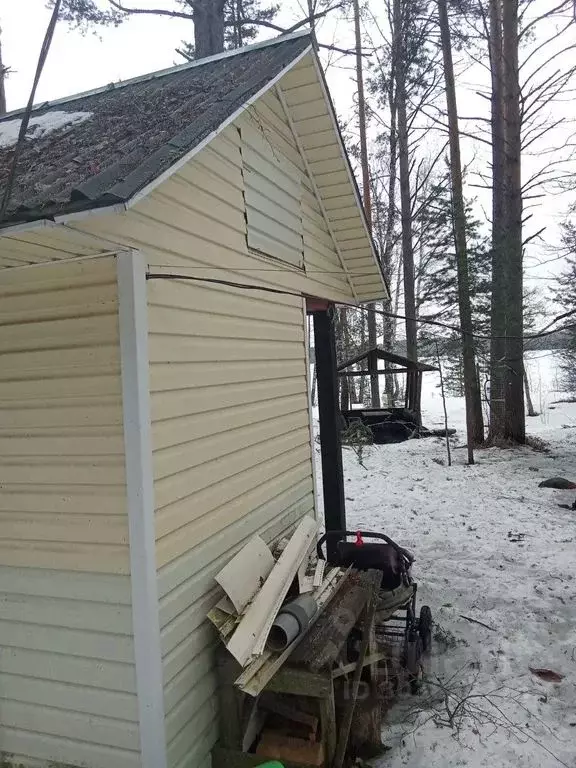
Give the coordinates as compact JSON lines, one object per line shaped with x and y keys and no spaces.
{"x":329,"y":414}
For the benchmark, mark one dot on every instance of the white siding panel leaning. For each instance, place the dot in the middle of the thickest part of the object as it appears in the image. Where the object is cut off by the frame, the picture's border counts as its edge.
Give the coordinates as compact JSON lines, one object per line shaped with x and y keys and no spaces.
{"x":254,"y":627}
{"x":242,"y":577}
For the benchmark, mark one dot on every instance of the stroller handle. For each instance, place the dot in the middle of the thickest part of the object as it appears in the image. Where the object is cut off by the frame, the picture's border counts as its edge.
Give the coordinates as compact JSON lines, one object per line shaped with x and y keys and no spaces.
{"x":404,"y":553}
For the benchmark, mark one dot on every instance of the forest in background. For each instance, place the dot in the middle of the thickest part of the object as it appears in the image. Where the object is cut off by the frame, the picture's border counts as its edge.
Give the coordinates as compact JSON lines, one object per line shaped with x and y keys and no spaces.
{"x":461,"y":130}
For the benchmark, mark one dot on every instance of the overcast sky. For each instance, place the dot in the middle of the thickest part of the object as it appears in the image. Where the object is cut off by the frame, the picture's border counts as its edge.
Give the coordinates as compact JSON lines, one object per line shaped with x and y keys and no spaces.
{"x":143,"y":44}
{"x":80,"y":62}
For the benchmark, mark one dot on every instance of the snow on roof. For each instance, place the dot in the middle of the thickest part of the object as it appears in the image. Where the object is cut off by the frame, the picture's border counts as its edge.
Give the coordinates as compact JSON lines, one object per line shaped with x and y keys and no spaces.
{"x":40,"y":126}
{"x":135,"y":133}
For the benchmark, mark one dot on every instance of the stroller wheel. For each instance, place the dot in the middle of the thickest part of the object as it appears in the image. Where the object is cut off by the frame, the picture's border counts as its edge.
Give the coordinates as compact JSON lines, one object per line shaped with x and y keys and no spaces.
{"x":412,"y":662}
{"x":425,"y":628}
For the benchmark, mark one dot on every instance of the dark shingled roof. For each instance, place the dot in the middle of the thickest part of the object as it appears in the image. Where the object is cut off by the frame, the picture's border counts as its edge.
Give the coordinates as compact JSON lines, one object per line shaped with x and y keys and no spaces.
{"x":136,"y":131}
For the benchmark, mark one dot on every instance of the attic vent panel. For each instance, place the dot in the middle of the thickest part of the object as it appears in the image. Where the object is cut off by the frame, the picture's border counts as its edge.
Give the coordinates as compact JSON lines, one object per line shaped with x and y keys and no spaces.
{"x":273,"y":195}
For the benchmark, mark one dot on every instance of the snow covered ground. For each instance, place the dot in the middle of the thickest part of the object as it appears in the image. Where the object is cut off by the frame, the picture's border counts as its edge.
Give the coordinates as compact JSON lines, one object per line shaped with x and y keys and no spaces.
{"x":492,"y":546}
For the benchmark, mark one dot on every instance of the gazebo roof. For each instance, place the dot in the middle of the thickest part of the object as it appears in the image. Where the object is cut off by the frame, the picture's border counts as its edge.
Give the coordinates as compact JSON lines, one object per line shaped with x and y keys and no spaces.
{"x":389,"y":357}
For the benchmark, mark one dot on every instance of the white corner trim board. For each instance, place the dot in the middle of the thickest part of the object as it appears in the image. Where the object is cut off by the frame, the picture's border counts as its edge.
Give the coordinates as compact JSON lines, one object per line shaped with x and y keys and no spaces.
{"x":250,"y":637}
{"x":133,"y":320}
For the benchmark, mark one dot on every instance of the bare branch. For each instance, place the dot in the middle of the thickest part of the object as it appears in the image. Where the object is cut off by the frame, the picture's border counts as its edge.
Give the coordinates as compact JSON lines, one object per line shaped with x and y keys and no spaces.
{"x":151,"y":11}
{"x":552,"y":12}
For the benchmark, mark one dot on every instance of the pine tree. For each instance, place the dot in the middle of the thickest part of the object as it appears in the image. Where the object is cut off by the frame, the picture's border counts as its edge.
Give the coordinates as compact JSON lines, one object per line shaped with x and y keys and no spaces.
{"x":437,"y":293}
{"x":218,"y":24}
{"x":237,"y":32}
{"x":565,"y":295}
{"x":436,"y":278}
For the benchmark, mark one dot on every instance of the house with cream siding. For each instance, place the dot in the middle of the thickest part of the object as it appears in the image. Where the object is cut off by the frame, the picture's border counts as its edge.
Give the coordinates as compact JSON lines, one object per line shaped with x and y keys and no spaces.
{"x":163,"y":240}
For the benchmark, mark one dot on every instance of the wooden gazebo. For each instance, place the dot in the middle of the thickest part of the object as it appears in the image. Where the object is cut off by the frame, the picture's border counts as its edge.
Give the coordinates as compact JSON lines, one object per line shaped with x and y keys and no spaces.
{"x":395,"y":364}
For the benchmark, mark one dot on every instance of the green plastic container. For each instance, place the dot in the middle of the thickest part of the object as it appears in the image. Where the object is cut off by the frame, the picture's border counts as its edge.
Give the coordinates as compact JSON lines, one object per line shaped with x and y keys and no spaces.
{"x":273,"y":764}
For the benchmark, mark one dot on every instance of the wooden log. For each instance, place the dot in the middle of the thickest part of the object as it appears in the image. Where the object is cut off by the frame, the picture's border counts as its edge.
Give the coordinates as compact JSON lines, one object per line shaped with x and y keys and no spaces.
{"x":324,"y":642}
{"x":344,"y":729}
{"x":275,"y":745}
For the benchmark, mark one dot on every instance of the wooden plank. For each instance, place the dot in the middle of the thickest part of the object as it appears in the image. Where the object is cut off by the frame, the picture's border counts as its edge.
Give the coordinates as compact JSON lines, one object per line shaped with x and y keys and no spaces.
{"x":300,"y":682}
{"x":344,"y":728}
{"x":329,"y":414}
{"x":328,"y":724}
{"x":369,"y":660}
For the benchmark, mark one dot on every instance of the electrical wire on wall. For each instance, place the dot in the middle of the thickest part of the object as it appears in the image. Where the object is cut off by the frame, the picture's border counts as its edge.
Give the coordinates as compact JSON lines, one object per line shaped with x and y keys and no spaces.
{"x":546,"y":331}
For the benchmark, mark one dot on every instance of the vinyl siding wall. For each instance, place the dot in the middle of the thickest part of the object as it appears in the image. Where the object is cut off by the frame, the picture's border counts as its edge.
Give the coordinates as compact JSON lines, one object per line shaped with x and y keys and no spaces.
{"x":67,"y":680}
{"x":230,"y":425}
{"x":230,"y":418}
{"x":195,"y":221}
{"x":231,"y":458}
{"x":230,"y":428}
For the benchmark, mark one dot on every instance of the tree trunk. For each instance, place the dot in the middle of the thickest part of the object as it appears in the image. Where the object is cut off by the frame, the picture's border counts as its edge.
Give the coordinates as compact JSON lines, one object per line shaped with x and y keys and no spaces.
{"x":362,"y":385}
{"x":515,"y":417}
{"x":2,"y":82}
{"x":474,"y":419}
{"x":372,"y":332}
{"x":529,"y":403}
{"x":499,"y":287}
{"x":352,"y":395}
{"x":389,"y":323}
{"x":345,"y":351}
{"x":397,"y":394}
{"x":208,"y":27}
{"x":311,"y":5}
{"x":405,"y":198}
{"x":236,"y":26}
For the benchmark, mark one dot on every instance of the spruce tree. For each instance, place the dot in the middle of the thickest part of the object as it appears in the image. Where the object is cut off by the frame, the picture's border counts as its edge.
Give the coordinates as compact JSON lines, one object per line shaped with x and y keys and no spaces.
{"x":565,"y":296}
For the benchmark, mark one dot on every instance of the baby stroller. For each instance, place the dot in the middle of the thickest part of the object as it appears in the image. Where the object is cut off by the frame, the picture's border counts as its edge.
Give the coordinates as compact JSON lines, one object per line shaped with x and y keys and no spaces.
{"x":397,"y":622}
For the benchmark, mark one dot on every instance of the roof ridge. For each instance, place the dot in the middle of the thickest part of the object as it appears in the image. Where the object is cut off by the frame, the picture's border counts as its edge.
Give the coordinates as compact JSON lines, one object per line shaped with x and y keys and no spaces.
{"x":161,"y":72}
